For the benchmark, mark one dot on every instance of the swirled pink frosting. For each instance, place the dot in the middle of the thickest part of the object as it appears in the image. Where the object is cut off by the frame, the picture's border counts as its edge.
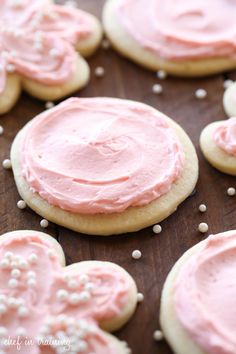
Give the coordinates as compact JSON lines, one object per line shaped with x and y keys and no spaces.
{"x":38,"y":39}
{"x":100,"y":155}
{"x":225,"y":136}
{"x":205,"y":292}
{"x":32,"y":266}
{"x":180,"y":30}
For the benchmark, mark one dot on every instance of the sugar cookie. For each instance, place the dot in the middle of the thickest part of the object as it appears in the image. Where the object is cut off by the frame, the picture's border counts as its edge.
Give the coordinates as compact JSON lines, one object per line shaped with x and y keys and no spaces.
{"x":198,"y":299}
{"x":58,"y":307}
{"x":38,"y":49}
{"x":229,"y":100}
{"x":103,"y":166}
{"x":190,"y":38}
{"x":218,"y":144}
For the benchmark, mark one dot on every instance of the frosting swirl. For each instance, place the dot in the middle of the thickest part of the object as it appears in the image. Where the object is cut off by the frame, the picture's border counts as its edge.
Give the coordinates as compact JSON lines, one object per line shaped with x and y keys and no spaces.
{"x":37,"y":39}
{"x":180,"y":30}
{"x":225,"y":136}
{"x":100,"y":155}
{"x":204,"y":295}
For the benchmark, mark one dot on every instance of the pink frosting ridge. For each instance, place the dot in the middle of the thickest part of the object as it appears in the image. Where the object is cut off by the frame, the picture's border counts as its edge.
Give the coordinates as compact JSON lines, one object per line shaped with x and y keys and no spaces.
{"x":205,"y":292}
{"x":41,"y":300}
{"x":180,"y":30}
{"x":100,"y":155}
{"x":38,"y":39}
{"x":225,"y":136}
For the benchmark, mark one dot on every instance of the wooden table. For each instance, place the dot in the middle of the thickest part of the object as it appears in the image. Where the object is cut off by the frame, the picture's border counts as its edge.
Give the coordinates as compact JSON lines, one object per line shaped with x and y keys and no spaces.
{"x":126,"y":80}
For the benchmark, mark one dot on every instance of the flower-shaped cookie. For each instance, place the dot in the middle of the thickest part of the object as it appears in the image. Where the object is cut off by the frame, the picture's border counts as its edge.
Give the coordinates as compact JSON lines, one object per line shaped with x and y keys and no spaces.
{"x":38,"y":43}
{"x":45,"y":308}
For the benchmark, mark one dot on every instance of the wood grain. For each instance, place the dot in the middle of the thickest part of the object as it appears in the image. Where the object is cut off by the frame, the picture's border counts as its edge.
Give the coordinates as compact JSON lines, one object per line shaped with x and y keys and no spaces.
{"x":126,"y":80}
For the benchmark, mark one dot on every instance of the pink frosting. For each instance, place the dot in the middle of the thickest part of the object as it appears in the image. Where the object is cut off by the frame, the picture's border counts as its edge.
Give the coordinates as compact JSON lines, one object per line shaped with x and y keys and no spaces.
{"x":205,"y":292}
{"x":179,"y":30}
{"x":103,"y":292}
{"x":38,"y":38}
{"x":225,"y":136}
{"x":100,"y":155}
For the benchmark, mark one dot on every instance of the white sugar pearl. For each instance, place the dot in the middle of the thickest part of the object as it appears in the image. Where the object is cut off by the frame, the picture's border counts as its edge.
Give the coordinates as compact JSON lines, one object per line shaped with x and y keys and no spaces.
{"x":49,"y":105}
{"x":105,"y":44}
{"x":62,"y":294}
{"x":2,"y":297}
{"x":203,"y":227}
{"x":231,"y":191}
{"x":89,"y":286}
{"x":99,"y":71}
{"x":200,"y":94}
{"x":83,"y":278}
{"x":15,"y":273}
{"x":31,"y":282}
{"x":1,"y":130}
{"x":6,"y":164}
{"x":227,"y":83}
{"x":54,"y":52}
{"x":136,"y":254}
{"x":23,"y":264}
{"x":84,"y":296}
{"x":21,"y":331}
{"x":3,"y":309}
{"x":72,"y":284}
{"x":31,"y":274}
{"x":33,"y":258}
{"x":12,"y":303}
{"x":4,"y":264}
{"x":44,"y":223}
{"x":3,"y":331}
{"x":23,"y":311}
{"x":158,"y":335}
{"x":21,"y":204}
{"x":10,"y":68}
{"x":202,"y":208}
{"x":157,"y":229}
{"x":9,"y":255}
{"x":157,"y":89}
{"x":140,"y":297}
{"x":13,"y":283}
{"x":74,"y":299}
{"x":161,"y":74}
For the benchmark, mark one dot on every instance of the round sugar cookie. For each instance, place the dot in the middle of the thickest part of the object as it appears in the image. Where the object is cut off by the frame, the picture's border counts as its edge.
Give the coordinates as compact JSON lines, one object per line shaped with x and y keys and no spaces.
{"x":229,"y":100}
{"x":186,"y":39}
{"x":65,"y":309}
{"x":197,"y":302}
{"x":218,"y":145}
{"x":42,"y":49}
{"x":103,"y":166}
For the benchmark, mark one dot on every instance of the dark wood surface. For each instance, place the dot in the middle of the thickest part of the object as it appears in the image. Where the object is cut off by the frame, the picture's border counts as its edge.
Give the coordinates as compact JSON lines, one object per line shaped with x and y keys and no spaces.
{"x":126,"y":80}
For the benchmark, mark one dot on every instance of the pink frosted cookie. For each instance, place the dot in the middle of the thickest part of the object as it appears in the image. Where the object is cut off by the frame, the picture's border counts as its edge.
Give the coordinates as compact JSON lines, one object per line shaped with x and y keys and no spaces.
{"x":218,"y":144}
{"x":198,"y":300}
{"x":51,"y":308}
{"x":186,"y":38}
{"x":38,"y":49}
{"x":103,"y":165}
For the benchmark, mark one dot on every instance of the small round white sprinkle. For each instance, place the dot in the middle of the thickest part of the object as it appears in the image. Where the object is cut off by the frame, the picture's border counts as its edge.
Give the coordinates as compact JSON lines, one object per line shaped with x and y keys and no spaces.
{"x":99,"y":71}
{"x":74,"y":299}
{"x":44,"y":223}
{"x":105,"y":44}
{"x":1,"y":130}
{"x":72,"y":284}
{"x":84,"y":296}
{"x":54,"y":52}
{"x":200,"y":94}
{"x":13,"y":283}
{"x":9,"y":255}
{"x":23,"y":264}
{"x":83,"y":278}
{"x":202,"y":208}
{"x":157,"y":89}
{"x":6,"y":164}
{"x":12,"y":303}
{"x":3,"y":332}
{"x":3,"y":309}
{"x":136,"y":254}
{"x":140,"y":297}
{"x":33,"y":258}
{"x":231,"y":191}
{"x":157,"y":229}
{"x":161,"y":74}
{"x":31,"y":274}
{"x":15,"y":273}
{"x":158,"y":335}
{"x":49,"y":105}
{"x":23,"y":311}
{"x":21,"y":204}
{"x":4,"y":264}
{"x":31,"y":282}
{"x":227,"y":83}
{"x":203,"y":227}
{"x":3,"y":298}
{"x":62,"y":294}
